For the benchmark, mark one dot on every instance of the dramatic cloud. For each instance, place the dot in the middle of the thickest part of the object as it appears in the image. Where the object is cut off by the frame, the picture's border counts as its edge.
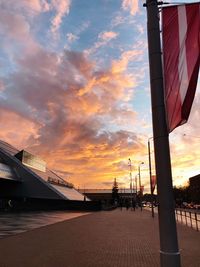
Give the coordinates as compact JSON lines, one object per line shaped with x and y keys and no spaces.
{"x":17,"y":130}
{"x":27,"y":8}
{"x":193,"y":128}
{"x":16,"y":22}
{"x":83,"y":109}
{"x":63,"y":98}
{"x":14,"y":26}
{"x":131,"y":5}
{"x":58,"y":99}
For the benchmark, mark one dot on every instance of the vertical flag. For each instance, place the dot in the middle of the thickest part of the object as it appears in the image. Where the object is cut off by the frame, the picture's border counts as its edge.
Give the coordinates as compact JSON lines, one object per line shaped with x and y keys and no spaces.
{"x":181,"y":59}
{"x":142,"y":189}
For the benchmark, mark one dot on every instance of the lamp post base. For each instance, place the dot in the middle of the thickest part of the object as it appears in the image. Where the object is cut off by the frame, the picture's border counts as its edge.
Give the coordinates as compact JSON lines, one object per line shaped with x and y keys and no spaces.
{"x":170,"y":259}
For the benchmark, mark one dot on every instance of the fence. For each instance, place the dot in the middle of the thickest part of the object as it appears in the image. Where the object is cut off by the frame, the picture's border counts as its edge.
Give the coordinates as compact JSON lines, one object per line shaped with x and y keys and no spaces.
{"x":189,"y":218}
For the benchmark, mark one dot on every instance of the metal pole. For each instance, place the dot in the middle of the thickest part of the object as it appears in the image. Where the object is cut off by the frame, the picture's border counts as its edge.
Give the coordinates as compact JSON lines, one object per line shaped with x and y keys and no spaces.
{"x":150,"y":174}
{"x":136,"y":183}
{"x":169,"y":251}
{"x":131,"y":179}
{"x":196,"y":221}
{"x":140,"y":193}
{"x":136,"y":188}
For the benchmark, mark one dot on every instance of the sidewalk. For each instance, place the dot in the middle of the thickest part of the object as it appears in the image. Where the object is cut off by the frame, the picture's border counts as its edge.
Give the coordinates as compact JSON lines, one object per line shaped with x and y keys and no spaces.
{"x":102,"y":239}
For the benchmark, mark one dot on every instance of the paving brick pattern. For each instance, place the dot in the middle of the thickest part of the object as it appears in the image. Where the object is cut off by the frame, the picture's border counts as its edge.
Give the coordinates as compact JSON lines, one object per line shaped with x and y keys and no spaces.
{"x":102,"y":239}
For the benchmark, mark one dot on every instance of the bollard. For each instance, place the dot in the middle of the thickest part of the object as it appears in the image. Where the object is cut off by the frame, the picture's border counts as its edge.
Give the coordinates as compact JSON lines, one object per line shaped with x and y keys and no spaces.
{"x":185,"y":218}
{"x":196,"y":222}
{"x":191,"y":219}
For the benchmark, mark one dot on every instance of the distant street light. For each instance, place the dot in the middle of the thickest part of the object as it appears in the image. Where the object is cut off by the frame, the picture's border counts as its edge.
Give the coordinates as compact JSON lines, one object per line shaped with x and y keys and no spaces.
{"x":136,"y":176}
{"x":150,"y":174}
{"x":140,"y":193}
{"x":131,"y":178}
{"x":136,"y":183}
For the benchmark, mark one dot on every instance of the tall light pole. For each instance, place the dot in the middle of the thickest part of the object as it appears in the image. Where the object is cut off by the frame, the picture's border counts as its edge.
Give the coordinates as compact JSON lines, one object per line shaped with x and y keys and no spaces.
{"x":150,"y":175}
{"x":136,"y":183}
{"x":131,"y":178}
{"x":140,"y":192}
{"x":169,"y":250}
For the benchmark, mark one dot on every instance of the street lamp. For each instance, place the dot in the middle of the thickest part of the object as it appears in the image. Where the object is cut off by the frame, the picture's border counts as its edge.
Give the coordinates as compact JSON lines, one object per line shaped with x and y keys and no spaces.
{"x":136,"y":183}
{"x":131,"y":179}
{"x":136,"y":176}
{"x":150,"y":174}
{"x":140,"y":193}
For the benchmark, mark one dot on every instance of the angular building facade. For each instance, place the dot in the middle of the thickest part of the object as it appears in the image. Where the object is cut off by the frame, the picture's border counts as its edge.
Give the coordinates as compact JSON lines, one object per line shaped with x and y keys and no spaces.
{"x":27,"y":183}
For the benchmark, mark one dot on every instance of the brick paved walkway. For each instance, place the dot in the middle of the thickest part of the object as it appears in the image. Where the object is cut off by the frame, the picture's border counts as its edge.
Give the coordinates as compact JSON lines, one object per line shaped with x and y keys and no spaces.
{"x":102,"y":239}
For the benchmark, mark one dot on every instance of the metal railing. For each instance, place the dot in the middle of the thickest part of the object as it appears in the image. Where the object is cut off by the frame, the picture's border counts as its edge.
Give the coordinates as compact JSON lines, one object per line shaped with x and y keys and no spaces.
{"x":59,"y":180}
{"x":188,"y":218}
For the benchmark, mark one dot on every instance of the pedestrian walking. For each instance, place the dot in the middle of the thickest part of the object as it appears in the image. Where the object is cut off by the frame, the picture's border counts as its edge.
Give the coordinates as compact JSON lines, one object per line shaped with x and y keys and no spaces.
{"x":127,"y":203}
{"x":121,"y":203}
{"x":133,"y":204}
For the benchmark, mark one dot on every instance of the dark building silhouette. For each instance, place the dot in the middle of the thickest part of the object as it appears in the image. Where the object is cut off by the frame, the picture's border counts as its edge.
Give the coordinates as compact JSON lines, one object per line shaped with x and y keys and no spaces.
{"x":194,"y":187}
{"x":106,"y":194}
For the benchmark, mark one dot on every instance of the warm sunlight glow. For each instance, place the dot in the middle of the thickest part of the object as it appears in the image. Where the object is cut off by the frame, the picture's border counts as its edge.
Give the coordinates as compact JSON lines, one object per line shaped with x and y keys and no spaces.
{"x":74,"y":90}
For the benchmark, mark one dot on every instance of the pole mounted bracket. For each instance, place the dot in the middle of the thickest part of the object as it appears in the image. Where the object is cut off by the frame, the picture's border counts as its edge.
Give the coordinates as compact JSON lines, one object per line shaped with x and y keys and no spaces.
{"x":158,"y":3}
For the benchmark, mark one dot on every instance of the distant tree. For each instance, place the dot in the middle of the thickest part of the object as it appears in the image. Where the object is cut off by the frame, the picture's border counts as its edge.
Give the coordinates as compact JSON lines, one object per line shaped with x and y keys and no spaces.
{"x":147,"y":198}
{"x":115,"y":189}
{"x":181,"y":194}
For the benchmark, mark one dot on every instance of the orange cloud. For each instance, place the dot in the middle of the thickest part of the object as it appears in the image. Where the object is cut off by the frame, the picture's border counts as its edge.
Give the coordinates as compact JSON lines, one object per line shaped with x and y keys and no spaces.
{"x":107,"y":36}
{"x":131,"y":5}
{"x":60,"y":103}
{"x":17,"y":130}
{"x":119,"y":66}
{"x":93,"y":164}
{"x":115,"y":77}
{"x":67,"y":109}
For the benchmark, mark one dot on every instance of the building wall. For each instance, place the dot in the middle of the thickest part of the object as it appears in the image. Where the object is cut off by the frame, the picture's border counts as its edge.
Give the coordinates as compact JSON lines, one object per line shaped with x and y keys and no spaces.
{"x":29,"y":186}
{"x":104,"y":195}
{"x":195,"y":189}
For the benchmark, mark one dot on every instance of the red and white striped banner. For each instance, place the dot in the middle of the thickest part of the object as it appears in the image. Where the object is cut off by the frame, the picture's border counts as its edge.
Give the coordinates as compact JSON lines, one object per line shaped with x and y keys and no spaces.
{"x":181,"y":58}
{"x":141,"y":189}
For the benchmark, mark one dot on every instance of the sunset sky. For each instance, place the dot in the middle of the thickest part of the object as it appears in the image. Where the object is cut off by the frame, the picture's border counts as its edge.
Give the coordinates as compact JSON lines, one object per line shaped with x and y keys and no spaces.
{"x":74,"y":90}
